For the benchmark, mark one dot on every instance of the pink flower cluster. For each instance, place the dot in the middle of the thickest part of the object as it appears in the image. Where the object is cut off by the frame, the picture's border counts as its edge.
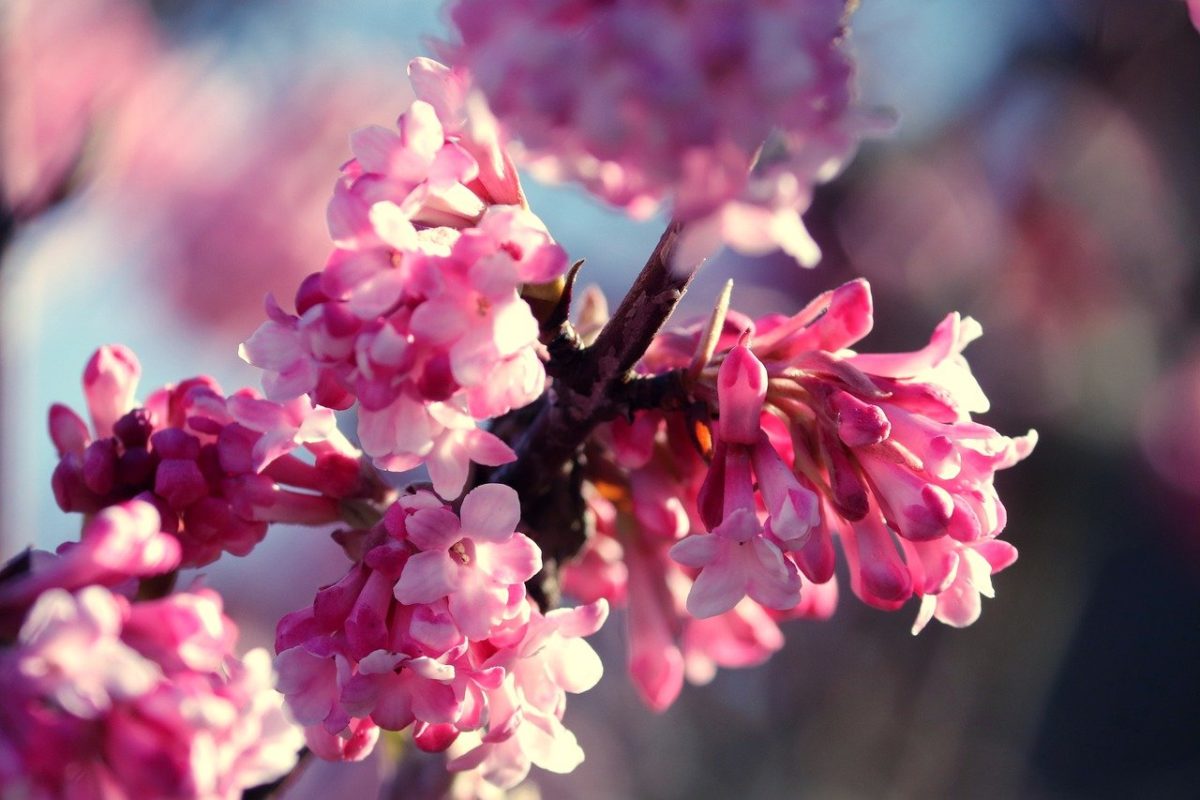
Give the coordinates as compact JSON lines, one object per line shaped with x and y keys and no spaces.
{"x":120,"y":543}
{"x":812,"y":442}
{"x":882,"y":452}
{"x":418,"y":314}
{"x":731,"y":110}
{"x":432,"y":629}
{"x":113,"y":700}
{"x":217,"y":469}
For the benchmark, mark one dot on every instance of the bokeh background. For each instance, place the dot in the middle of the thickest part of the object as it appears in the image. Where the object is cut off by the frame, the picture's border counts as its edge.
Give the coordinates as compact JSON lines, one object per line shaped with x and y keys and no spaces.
{"x":165,"y":164}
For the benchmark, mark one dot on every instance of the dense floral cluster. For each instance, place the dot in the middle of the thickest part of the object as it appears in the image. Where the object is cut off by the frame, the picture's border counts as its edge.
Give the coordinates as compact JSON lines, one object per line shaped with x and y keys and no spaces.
{"x":652,"y":101}
{"x":104,"y":698}
{"x":432,"y":629}
{"x":217,"y":469}
{"x":417,"y":314}
{"x":812,"y":442}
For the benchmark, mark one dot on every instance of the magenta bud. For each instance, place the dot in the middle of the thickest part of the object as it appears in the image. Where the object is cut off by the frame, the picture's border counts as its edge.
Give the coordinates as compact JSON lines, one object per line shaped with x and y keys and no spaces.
{"x":437,"y":379}
{"x":180,"y":482}
{"x":175,"y":443}
{"x":68,"y":432}
{"x":434,"y":738}
{"x":135,"y":469}
{"x":310,"y":293}
{"x":100,"y":466}
{"x":340,"y":320}
{"x":134,"y":428}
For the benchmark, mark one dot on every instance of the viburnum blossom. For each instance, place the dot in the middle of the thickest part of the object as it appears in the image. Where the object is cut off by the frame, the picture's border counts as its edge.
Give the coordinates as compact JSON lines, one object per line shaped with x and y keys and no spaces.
{"x":217,"y":469}
{"x":418,"y":314}
{"x":811,"y":441}
{"x":731,"y":111}
{"x":432,"y":629}
{"x":108,"y":699}
{"x":886,"y":442}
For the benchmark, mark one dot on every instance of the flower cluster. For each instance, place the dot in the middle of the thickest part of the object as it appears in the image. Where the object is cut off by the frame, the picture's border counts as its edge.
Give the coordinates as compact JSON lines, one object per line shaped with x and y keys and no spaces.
{"x":418,"y":314}
{"x":216,"y":468}
{"x":432,"y":629}
{"x":646,"y":101}
{"x":104,"y":698}
{"x":812,"y":442}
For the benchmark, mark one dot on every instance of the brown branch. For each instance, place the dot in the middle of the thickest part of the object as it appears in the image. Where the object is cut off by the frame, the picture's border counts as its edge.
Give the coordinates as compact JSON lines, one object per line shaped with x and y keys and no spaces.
{"x":591,"y":385}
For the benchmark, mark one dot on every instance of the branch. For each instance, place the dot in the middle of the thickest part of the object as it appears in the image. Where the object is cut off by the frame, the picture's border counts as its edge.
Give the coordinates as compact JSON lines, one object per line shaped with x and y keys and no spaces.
{"x":591,"y":385}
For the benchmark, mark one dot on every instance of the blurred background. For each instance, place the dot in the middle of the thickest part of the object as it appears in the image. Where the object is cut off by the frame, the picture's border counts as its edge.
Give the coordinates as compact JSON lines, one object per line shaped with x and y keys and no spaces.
{"x":166,"y":164}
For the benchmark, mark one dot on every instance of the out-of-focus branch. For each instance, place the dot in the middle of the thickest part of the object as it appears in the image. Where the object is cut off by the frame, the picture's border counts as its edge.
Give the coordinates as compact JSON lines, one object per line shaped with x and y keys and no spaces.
{"x":591,"y":385}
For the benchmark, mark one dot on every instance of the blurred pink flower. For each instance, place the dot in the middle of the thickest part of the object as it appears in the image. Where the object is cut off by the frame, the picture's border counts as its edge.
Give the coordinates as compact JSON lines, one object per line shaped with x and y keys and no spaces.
{"x":64,"y":69}
{"x":105,"y":699}
{"x":220,"y":174}
{"x":729,"y":111}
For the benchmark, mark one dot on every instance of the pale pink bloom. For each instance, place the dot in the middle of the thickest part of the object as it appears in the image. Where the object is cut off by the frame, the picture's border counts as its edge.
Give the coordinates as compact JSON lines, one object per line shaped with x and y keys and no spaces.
{"x":408,"y":433}
{"x":730,"y":570}
{"x":729,"y":111}
{"x":418,"y":314}
{"x":59,"y":629}
{"x":1194,"y":12}
{"x":472,"y":562}
{"x":952,"y":577}
{"x":525,"y":712}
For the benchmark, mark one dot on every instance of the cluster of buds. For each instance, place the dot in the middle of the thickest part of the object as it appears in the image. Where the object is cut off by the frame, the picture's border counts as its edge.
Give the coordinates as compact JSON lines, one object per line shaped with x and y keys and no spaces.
{"x":650,"y":101}
{"x":418,"y":313}
{"x":104,"y":698}
{"x":217,"y":469}
{"x":431,"y":628}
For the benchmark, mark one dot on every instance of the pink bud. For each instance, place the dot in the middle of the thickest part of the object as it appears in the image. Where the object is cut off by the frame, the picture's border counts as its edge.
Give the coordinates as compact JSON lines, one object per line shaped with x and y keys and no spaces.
{"x":741,"y":390}
{"x":109,"y":382}
{"x":67,"y":430}
{"x":859,"y":424}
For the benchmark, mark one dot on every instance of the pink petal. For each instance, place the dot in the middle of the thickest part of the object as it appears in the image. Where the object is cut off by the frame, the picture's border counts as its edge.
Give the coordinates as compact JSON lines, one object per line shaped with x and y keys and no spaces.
{"x":491,"y":512}
{"x":696,"y":551}
{"x":433,"y":528}
{"x":718,"y":588}
{"x":427,"y":577}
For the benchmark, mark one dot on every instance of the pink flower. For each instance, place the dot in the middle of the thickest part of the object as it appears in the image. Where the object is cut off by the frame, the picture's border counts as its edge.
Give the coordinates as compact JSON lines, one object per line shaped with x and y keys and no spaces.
{"x":730,"y":111}
{"x":64,"y":70}
{"x":432,"y":630}
{"x":525,"y":726}
{"x":473,"y":562}
{"x":888,"y":440}
{"x":217,"y":469}
{"x":108,"y":699}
